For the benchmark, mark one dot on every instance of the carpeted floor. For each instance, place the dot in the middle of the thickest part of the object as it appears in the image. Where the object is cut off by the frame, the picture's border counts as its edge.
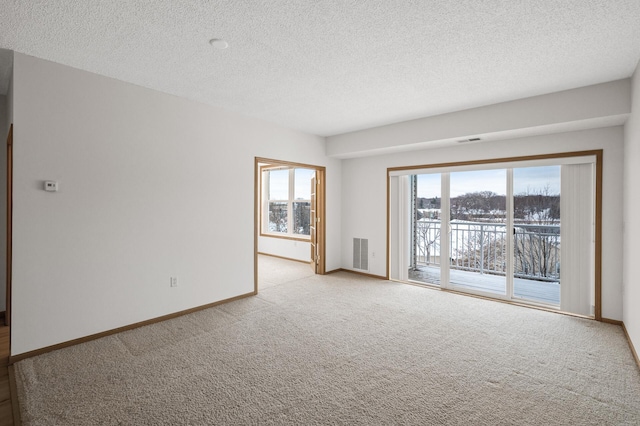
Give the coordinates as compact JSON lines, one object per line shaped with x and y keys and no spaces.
{"x":275,"y":271}
{"x":342,"y":349}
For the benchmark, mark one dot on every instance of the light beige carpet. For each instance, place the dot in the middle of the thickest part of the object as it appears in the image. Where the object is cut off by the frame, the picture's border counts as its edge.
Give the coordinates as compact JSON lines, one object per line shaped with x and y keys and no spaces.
{"x":275,"y":271}
{"x":342,"y":349}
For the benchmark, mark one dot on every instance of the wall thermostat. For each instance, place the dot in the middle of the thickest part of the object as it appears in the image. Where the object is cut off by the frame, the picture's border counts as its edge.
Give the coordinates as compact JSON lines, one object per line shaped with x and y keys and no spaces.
{"x":51,"y":186}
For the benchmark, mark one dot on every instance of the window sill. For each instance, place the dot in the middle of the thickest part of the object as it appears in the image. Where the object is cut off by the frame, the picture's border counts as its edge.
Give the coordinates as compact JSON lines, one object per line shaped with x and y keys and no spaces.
{"x":304,"y":238}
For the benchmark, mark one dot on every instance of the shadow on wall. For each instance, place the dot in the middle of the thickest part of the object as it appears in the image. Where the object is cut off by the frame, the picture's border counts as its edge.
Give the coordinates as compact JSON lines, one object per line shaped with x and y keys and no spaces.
{"x":4,"y":130}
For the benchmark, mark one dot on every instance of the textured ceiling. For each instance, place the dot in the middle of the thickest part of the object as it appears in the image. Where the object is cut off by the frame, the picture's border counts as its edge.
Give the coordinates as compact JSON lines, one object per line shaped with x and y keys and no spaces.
{"x":6,"y":62}
{"x":332,"y":66}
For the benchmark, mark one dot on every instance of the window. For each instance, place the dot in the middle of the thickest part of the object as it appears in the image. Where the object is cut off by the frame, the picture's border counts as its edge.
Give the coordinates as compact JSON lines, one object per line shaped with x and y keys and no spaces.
{"x":286,"y":202}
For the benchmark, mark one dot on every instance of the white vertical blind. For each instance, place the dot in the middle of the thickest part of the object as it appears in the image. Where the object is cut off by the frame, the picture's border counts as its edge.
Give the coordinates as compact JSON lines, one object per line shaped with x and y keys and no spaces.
{"x":394,"y":227}
{"x":405,"y":226}
{"x":445,"y":229}
{"x":576,"y":238}
{"x":400,"y":222}
{"x":509,"y":234}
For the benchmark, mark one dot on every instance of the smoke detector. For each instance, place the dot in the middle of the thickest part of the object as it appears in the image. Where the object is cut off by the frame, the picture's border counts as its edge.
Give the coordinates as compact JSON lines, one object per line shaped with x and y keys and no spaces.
{"x":218,"y":43}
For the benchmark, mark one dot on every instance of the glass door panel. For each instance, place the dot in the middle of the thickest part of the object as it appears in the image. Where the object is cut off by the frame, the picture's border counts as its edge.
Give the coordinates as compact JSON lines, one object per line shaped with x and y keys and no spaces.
{"x":478,"y":237}
{"x":426,"y":229}
{"x":536,"y":234}
{"x":497,"y":232}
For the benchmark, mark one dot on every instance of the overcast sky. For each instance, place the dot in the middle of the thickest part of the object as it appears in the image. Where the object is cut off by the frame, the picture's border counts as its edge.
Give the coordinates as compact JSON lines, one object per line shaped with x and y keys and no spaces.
{"x":529,"y":179}
{"x":279,"y":184}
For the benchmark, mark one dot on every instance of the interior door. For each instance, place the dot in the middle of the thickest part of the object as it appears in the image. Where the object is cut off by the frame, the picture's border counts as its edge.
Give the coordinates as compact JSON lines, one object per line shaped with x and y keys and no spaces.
{"x":313,"y":226}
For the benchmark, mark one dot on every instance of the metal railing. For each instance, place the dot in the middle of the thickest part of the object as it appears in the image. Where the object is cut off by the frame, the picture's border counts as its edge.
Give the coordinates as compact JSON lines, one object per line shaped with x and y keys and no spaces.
{"x":482,"y":247}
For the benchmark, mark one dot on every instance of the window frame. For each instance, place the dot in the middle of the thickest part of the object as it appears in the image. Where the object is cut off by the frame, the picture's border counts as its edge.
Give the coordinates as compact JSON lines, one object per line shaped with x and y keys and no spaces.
{"x":265,"y":202}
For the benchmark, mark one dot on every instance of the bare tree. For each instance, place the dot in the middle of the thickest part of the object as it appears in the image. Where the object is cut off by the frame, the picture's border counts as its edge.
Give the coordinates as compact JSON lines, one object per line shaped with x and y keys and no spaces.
{"x":475,"y":206}
{"x":278,"y":221}
{"x":483,"y":249}
{"x":537,"y":233}
{"x":428,"y":241}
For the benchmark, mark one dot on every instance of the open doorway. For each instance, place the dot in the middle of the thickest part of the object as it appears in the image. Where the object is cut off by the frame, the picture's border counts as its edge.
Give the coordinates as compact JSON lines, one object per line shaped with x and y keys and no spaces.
{"x":289,"y":221}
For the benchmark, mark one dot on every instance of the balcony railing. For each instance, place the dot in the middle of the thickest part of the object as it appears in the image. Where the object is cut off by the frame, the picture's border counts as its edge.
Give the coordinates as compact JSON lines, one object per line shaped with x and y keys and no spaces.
{"x":482,"y":247}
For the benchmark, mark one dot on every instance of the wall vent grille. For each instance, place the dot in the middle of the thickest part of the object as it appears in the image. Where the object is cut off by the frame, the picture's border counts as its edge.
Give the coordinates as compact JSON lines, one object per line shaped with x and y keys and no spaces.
{"x":361,"y":254}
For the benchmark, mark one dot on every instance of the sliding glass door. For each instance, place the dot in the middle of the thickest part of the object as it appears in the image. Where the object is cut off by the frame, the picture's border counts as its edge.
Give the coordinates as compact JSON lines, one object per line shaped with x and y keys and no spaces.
{"x":496,"y":231}
{"x":477,"y":221}
{"x":426,"y":247}
{"x":536,"y":234}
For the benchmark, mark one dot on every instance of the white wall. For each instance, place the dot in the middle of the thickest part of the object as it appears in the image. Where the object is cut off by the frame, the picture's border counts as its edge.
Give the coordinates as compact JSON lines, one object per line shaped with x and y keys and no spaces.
{"x":291,"y":249}
{"x":631,"y":220}
{"x":588,"y":107}
{"x":151,"y":186}
{"x":10,"y":101}
{"x":364,"y":193}
{"x":4,"y":130}
{"x":4,"y":116}
{"x":7,"y":120}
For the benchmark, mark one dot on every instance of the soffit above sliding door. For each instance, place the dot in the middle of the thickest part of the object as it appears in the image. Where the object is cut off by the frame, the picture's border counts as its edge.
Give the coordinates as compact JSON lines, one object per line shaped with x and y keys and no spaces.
{"x":492,"y":165}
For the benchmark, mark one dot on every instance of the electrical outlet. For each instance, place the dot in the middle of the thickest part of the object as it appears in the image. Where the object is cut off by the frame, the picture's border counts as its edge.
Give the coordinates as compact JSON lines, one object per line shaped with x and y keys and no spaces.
{"x":174,"y":281}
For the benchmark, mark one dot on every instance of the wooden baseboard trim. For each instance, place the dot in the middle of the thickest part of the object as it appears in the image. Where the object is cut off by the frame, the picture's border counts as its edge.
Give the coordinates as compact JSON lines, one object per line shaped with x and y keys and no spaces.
{"x":633,"y":349}
{"x":611,"y":321}
{"x":285,"y":258}
{"x":15,"y":404}
{"x":15,"y":358}
{"x":364,"y":274}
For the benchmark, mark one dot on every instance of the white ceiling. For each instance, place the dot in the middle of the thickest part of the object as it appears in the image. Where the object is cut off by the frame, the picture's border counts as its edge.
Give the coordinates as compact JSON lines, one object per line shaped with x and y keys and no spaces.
{"x":332,"y":66}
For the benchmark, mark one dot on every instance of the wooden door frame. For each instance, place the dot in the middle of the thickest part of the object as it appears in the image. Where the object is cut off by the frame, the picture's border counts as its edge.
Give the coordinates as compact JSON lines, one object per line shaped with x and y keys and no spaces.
{"x":321,"y":210}
{"x":9,"y":254}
